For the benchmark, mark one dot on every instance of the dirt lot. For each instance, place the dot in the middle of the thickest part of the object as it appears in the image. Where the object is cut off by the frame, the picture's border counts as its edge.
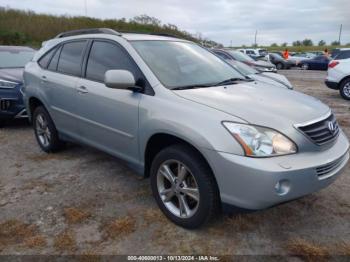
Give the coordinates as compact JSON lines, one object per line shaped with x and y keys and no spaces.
{"x":85,"y":202}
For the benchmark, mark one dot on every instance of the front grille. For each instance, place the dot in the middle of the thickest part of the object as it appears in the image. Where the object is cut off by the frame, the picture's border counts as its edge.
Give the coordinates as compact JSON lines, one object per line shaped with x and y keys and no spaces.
{"x":5,"y":104}
{"x":323,"y":171}
{"x":323,"y":131}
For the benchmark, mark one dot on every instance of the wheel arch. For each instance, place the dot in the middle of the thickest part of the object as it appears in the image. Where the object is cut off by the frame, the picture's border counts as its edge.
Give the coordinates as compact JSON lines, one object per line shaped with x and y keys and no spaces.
{"x":34,"y":102}
{"x":343,"y":79}
{"x":159,"y":141}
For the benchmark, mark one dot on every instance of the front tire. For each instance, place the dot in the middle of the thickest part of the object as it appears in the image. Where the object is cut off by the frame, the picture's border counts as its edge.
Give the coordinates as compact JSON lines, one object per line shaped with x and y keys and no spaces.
{"x":45,"y":131}
{"x":344,"y":89}
{"x":184,"y":186}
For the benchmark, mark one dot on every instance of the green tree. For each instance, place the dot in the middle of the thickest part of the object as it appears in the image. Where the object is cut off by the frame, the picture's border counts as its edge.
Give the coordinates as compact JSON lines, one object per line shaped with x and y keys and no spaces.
{"x":274,"y":45}
{"x":307,"y":42}
{"x":297,"y":43}
{"x":335,"y":43}
{"x":285,"y":44}
{"x":321,"y":43}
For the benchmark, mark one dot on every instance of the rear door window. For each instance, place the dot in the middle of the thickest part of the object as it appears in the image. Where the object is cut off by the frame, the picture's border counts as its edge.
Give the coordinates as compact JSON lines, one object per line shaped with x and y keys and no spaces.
{"x":70,"y":60}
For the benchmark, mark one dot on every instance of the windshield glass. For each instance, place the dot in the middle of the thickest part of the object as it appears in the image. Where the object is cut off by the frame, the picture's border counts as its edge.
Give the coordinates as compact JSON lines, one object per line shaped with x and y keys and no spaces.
{"x":240,"y":56}
{"x":180,"y":64}
{"x":14,"y":59}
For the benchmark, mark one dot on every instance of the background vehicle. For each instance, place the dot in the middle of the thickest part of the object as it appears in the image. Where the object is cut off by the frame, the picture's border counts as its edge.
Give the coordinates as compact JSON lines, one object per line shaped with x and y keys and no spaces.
{"x":279,"y":61}
{"x":298,"y":57}
{"x":338,"y":76}
{"x":254,"y":53}
{"x":262,"y":66}
{"x":269,"y":78}
{"x":177,"y":113}
{"x":317,"y":63}
{"x":12,"y":62}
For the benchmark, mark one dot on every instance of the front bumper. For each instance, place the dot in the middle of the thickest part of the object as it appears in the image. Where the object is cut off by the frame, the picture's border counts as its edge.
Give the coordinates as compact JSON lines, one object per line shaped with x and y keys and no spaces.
{"x":11,"y":104}
{"x":250,"y":183}
{"x":332,"y":85}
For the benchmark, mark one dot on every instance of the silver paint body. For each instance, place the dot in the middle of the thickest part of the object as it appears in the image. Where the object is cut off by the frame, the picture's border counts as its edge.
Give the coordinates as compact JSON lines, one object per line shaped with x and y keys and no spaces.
{"x":121,"y":122}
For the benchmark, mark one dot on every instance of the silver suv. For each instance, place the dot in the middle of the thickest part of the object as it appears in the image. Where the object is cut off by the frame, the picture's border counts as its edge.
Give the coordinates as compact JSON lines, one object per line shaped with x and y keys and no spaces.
{"x":206,"y":136}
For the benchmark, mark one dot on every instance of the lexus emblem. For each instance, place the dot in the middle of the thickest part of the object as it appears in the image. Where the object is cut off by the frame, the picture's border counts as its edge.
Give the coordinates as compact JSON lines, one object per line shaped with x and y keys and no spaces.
{"x":331,"y":127}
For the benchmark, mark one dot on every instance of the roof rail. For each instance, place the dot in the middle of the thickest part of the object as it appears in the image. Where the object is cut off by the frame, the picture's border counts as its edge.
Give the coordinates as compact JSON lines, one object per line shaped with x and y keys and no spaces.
{"x":89,"y":31}
{"x":149,"y":33}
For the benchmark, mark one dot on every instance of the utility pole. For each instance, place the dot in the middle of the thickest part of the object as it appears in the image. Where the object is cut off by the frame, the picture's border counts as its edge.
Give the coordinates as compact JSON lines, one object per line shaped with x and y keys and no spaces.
{"x":341,"y":28}
{"x":256,"y":33}
{"x":85,"y":5}
{"x":231,"y":43}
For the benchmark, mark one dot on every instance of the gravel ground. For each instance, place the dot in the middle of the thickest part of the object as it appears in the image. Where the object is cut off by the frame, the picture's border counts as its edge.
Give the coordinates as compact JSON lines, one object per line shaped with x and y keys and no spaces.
{"x":81,"y":201}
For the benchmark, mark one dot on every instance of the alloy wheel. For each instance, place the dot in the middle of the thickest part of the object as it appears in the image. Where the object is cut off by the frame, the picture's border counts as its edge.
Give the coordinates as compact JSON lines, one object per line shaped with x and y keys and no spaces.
{"x":42,"y":130}
{"x":178,"y":188}
{"x":346,"y":89}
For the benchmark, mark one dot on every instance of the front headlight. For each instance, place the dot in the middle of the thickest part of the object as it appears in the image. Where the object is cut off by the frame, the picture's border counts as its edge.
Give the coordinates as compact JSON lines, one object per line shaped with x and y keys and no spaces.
{"x":7,"y":84}
{"x":259,"y":141}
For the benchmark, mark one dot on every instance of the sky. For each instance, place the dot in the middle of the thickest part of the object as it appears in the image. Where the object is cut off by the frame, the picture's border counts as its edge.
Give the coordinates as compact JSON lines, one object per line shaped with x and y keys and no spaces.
{"x":224,"y":21}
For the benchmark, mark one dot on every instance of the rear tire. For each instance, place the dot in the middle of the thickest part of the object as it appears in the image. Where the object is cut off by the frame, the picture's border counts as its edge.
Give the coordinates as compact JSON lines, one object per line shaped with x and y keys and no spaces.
{"x":344,"y":89}
{"x":45,"y":131}
{"x":198,"y":179}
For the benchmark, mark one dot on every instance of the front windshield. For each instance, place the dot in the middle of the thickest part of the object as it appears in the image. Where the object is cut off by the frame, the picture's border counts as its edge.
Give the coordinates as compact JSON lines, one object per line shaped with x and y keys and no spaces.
{"x":15,"y":58}
{"x":237,"y":55}
{"x":180,"y":64}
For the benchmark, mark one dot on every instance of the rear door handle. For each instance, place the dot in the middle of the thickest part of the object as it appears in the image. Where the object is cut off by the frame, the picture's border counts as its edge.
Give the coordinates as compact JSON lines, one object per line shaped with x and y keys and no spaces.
{"x":82,"y":90}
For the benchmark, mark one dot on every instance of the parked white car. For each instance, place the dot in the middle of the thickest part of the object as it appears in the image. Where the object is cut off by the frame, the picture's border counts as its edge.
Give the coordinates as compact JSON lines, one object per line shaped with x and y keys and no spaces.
{"x":254,"y":52}
{"x":338,"y":76}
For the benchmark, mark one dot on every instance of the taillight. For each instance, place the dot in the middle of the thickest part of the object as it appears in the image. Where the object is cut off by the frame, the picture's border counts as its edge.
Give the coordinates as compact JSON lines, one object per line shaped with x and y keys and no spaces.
{"x":333,"y":64}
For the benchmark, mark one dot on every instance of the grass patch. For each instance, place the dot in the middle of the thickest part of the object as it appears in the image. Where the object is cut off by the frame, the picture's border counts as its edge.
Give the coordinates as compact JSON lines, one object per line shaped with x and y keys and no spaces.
{"x":307,"y":250}
{"x":65,"y":242}
{"x":75,"y":216}
{"x":15,"y":232}
{"x":120,"y":227}
{"x":37,"y":241}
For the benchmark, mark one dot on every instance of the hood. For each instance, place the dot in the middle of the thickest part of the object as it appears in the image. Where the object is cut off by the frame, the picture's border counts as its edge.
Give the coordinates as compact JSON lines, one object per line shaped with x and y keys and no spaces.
{"x":12,"y":74}
{"x":278,"y":78}
{"x":259,"y":104}
{"x":268,"y":80}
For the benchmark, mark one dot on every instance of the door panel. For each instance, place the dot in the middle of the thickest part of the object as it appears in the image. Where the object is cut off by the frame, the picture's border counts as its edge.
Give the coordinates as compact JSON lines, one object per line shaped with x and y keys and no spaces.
{"x":108,"y":118}
{"x":61,"y":79}
{"x":61,"y":90}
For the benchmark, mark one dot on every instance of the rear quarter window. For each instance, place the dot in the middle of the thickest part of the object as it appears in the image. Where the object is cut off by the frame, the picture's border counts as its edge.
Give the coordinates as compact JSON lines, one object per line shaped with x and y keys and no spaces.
{"x":44,"y":60}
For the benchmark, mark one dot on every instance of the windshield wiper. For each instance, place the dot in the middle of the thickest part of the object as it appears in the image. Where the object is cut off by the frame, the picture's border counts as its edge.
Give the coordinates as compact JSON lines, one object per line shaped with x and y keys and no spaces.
{"x":233,"y":81}
{"x":191,"y":86}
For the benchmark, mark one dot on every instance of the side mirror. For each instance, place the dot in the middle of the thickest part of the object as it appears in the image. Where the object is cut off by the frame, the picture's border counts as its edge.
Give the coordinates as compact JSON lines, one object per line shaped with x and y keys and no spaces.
{"x":119,"y":79}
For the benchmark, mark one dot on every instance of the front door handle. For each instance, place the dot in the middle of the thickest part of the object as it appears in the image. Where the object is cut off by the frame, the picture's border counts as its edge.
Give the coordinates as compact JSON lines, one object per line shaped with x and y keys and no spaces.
{"x":43,"y":79}
{"x":82,"y":90}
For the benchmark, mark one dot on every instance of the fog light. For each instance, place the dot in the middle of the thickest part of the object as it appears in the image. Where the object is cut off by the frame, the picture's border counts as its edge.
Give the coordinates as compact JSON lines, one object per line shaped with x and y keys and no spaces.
{"x":282,"y":187}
